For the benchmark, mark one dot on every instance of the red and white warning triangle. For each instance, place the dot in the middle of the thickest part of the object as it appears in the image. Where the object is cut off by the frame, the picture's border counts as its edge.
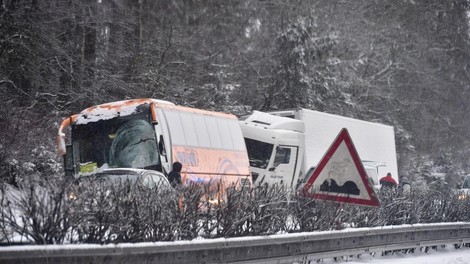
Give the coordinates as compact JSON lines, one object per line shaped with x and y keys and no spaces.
{"x":340,"y":176}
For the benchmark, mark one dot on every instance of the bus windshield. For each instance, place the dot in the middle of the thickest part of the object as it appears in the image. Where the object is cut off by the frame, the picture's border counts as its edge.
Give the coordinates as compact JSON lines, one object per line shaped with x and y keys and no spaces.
{"x":121,"y":142}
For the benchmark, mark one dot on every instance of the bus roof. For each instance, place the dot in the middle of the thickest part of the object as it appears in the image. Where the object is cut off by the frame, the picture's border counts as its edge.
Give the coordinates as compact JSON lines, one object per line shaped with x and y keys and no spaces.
{"x":127,"y":107}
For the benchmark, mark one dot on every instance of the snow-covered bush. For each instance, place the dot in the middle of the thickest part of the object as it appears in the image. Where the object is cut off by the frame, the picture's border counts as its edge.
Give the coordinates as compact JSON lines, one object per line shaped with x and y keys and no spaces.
{"x":9,"y":168}
{"x":53,"y":211}
{"x":35,"y":212}
{"x":121,"y":212}
{"x":44,"y":161}
{"x":41,"y":164}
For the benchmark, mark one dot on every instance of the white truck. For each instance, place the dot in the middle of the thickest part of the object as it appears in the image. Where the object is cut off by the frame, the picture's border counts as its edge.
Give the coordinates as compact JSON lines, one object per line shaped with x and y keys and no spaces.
{"x":285,"y":146}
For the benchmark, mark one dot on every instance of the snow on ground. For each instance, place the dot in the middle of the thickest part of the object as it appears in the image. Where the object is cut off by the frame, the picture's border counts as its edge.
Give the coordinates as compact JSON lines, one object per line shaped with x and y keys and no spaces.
{"x":447,"y":255}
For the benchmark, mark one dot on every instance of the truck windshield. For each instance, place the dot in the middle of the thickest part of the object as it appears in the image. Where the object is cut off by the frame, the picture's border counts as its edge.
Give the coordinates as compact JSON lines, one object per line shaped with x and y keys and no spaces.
{"x":124,"y":142}
{"x":259,"y":153}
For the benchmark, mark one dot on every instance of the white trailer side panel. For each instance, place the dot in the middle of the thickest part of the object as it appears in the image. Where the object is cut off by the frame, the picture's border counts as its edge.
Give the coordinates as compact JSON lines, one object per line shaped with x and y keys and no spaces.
{"x":373,"y":141}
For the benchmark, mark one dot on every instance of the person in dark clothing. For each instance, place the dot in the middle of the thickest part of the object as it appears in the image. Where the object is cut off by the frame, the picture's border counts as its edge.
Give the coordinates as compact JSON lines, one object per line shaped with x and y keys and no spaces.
{"x":174,"y":177}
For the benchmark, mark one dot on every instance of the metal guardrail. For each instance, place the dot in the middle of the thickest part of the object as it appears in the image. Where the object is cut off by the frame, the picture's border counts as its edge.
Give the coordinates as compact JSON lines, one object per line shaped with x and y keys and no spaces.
{"x":286,"y":248}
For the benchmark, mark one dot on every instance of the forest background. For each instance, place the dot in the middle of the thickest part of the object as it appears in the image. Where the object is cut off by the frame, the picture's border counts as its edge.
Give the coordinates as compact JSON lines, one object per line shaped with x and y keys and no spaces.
{"x":404,"y":63}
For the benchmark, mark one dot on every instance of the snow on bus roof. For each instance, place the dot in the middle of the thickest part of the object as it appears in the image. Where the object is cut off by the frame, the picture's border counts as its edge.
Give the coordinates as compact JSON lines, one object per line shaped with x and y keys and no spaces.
{"x":128,"y":107}
{"x":114,"y":109}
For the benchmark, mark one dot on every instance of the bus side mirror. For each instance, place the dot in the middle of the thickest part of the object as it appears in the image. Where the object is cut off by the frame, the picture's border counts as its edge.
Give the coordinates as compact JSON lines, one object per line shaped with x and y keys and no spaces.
{"x":61,"y":148}
{"x":60,"y":140}
{"x":161,"y":148}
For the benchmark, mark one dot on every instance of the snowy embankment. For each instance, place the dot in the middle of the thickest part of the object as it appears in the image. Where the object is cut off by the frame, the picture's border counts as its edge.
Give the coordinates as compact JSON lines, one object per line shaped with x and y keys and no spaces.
{"x":448,"y":255}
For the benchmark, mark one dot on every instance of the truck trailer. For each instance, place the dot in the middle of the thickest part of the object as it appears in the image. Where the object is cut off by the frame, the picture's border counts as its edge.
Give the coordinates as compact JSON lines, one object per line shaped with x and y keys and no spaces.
{"x":286,"y":146}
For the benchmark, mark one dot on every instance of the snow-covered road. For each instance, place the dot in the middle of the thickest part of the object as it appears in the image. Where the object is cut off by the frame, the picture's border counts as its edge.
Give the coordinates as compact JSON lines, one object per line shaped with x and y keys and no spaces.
{"x":447,"y":255}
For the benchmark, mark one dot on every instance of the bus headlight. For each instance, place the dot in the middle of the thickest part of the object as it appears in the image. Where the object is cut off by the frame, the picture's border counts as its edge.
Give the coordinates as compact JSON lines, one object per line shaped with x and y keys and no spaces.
{"x":463,"y":196}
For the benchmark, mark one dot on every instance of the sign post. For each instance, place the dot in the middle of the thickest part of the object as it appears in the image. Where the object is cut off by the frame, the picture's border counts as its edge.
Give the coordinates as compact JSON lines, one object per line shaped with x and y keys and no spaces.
{"x":340,"y":176}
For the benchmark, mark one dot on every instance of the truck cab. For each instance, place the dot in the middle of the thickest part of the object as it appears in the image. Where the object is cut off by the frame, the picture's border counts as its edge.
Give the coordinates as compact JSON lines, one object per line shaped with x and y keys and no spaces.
{"x":275,"y":146}
{"x":464,"y":191}
{"x":372,"y":170}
